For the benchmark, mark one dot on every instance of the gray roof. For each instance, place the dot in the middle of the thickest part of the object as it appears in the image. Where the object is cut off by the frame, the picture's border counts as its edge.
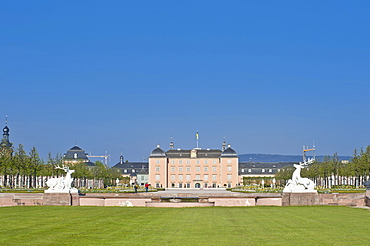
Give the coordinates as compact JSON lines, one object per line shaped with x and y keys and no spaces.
{"x":261,"y":168}
{"x":144,"y":171}
{"x":132,"y":168}
{"x":90,"y":164}
{"x":229,"y":152}
{"x":76,"y":150}
{"x":201,"y":153}
{"x":158,"y":152}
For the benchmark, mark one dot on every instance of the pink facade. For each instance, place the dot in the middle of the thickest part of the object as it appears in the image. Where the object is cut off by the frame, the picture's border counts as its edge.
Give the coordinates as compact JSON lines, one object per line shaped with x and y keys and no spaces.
{"x":196,"y":168}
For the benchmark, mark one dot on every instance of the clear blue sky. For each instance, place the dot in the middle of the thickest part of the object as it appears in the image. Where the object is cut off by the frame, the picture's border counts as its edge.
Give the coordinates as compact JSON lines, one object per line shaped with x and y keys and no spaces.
{"x":114,"y":76}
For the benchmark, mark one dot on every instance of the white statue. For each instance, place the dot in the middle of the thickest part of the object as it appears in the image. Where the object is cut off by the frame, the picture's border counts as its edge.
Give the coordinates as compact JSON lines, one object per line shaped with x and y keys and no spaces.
{"x":127,"y":203}
{"x":297,"y":183}
{"x":63,"y":184}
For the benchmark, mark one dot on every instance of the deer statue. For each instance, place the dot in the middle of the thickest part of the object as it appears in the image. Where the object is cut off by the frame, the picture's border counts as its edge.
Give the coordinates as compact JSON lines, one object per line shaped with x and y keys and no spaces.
{"x":297,"y":183}
{"x":62,"y":184}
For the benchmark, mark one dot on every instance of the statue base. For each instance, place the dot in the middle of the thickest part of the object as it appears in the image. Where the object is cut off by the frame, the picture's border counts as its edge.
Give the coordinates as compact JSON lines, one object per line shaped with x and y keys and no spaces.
{"x":300,"y":199}
{"x":72,"y":190}
{"x":298,"y":190}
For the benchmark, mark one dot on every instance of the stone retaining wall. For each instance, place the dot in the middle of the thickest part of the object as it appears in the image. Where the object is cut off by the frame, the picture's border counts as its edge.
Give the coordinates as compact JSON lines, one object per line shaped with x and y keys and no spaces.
{"x":310,"y":199}
{"x":38,"y":199}
{"x":154,"y":200}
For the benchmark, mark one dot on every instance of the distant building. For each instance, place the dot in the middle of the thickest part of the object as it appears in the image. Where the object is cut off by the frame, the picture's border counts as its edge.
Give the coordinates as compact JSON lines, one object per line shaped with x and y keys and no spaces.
{"x":77,"y":155}
{"x":136,"y":171}
{"x":261,"y":169}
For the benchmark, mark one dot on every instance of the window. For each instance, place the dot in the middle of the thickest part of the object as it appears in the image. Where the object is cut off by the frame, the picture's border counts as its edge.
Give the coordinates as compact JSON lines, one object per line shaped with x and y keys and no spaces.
{"x":157,"y":169}
{"x":228,"y":185}
{"x":187,"y":185}
{"x":197,"y":169}
{"x":197,"y":177}
{"x":133,"y":170}
{"x":263,"y":170}
{"x":249,"y":170}
{"x":214,"y":161}
{"x":172,"y":169}
{"x":205,"y":176}
{"x":180,"y":161}
{"x":214,"y":177}
{"x":180,"y":185}
{"x":125,"y":171}
{"x":172,"y":177}
{"x":180,"y":169}
{"x":157,"y":177}
{"x":188,"y":169}
{"x":229,"y":168}
{"x":270,"y":170}
{"x":187,"y":161}
{"x":188,"y":177}
{"x":214,"y":169}
{"x":157,"y":185}
{"x":172,"y":162}
{"x":228,"y":160}
{"x":198,"y":162}
{"x":278,"y":170}
{"x":75,"y":155}
{"x":206,"y":169}
{"x":205,"y":161}
{"x":242,"y":170}
{"x":142,"y":177}
{"x":157,"y":161}
{"x":180,"y":176}
{"x":228,"y":177}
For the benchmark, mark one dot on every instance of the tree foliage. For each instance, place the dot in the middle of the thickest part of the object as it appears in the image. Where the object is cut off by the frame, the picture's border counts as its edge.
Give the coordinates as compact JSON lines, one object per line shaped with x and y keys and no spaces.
{"x":22,"y":170}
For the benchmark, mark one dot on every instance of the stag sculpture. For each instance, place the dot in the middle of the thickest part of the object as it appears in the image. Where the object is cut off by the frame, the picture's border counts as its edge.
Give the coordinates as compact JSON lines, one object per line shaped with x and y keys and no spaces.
{"x":62,"y":184}
{"x":297,"y":183}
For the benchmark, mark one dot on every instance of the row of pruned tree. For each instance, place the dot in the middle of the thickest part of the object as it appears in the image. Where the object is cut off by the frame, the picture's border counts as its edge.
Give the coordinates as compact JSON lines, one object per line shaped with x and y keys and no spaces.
{"x":332,"y":171}
{"x":19,"y":169}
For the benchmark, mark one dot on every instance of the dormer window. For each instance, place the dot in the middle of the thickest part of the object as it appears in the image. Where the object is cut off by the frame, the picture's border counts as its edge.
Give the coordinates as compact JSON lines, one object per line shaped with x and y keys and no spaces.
{"x":75,"y":155}
{"x":193,"y":153}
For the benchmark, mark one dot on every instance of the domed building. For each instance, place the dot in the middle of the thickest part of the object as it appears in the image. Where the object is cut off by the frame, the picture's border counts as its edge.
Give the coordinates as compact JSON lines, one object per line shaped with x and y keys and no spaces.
{"x":76,"y":155}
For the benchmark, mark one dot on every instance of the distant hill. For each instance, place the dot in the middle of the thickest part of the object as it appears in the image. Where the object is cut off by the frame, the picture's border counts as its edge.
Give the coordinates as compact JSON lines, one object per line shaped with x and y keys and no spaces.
{"x":280,"y":158}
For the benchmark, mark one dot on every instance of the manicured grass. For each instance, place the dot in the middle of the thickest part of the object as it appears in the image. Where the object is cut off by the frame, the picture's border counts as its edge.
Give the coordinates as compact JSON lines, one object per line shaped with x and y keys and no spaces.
{"x":42,"y":225}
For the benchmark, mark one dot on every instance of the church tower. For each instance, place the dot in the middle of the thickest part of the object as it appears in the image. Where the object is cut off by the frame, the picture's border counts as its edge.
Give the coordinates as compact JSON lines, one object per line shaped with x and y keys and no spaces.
{"x":5,"y":145}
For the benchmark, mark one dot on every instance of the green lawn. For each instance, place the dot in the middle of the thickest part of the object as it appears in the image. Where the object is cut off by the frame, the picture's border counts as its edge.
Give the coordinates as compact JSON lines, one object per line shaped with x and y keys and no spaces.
{"x":42,"y":225}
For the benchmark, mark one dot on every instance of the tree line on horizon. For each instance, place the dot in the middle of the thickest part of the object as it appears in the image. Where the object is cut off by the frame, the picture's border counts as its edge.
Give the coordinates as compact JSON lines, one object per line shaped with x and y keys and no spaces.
{"x":332,"y":171}
{"x":20,"y":169}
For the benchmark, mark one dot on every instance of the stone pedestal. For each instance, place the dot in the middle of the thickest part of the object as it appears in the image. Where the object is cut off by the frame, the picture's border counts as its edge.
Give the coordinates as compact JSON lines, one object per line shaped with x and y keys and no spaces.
{"x":300,"y":199}
{"x":367,"y":198}
{"x":57,"y":199}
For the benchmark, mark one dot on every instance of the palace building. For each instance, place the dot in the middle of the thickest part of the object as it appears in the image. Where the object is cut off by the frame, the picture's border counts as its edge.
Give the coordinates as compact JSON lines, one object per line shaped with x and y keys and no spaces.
{"x":193,"y":168}
{"x":196,"y":168}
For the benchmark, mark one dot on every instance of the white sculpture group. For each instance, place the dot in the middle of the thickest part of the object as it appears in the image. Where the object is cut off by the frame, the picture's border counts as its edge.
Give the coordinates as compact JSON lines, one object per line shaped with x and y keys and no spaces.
{"x":62,"y":184}
{"x":299,"y":184}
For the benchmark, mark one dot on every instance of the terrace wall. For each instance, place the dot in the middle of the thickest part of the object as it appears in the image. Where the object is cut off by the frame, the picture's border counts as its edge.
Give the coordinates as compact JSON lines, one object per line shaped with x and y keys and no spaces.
{"x":310,"y":199}
{"x":153,"y":200}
